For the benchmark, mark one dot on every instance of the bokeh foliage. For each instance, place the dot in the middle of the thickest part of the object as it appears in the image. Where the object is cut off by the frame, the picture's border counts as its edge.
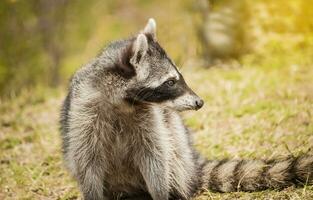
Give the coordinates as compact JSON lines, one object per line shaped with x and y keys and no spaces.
{"x":283,"y":33}
{"x":43,"y":42}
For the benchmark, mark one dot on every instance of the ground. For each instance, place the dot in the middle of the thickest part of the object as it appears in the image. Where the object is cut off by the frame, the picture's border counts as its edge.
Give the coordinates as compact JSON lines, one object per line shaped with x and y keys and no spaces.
{"x":249,"y":112}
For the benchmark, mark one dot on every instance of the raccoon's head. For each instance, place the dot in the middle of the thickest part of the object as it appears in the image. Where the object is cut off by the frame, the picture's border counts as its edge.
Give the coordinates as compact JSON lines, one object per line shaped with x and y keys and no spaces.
{"x":155,"y":78}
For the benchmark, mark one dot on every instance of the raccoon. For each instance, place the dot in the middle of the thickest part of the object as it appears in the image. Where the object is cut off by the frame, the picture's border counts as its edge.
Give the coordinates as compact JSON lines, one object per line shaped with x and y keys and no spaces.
{"x":123,"y":137}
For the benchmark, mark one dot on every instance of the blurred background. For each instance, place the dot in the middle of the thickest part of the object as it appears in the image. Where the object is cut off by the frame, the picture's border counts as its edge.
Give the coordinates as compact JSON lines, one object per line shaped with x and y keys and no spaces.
{"x":43,"y":42}
{"x":250,"y":60}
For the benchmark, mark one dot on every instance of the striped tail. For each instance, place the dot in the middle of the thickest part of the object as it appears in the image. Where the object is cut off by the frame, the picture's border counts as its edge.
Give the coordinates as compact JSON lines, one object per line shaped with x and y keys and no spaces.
{"x":256,"y":175}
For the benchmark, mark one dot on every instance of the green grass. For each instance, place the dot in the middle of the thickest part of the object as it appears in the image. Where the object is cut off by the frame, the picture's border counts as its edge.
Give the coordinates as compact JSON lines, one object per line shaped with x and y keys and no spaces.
{"x":249,"y":112}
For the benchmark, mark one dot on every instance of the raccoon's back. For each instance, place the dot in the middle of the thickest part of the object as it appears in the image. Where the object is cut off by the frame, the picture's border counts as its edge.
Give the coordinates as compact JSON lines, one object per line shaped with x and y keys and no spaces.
{"x":64,"y":121}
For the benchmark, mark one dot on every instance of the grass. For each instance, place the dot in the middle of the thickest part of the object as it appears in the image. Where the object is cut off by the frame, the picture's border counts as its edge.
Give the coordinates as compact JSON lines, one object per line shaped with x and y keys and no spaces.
{"x":249,"y":112}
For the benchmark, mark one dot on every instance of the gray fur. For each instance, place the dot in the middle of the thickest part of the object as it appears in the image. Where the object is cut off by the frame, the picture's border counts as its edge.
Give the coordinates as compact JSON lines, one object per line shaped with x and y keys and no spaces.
{"x":119,"y":147}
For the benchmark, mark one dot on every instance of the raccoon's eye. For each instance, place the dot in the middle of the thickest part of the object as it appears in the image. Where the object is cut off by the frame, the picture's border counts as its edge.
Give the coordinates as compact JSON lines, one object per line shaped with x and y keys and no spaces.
{"x":170,"y":83}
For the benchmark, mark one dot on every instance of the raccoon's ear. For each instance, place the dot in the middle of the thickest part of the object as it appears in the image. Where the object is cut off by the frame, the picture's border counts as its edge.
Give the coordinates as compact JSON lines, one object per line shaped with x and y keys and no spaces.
{"x":150,"y":29}
{"x":140,"y":47}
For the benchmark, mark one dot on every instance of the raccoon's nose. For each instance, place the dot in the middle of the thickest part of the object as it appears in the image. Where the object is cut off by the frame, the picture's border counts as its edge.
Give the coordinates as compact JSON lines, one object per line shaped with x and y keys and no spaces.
{"x":199,"y":103}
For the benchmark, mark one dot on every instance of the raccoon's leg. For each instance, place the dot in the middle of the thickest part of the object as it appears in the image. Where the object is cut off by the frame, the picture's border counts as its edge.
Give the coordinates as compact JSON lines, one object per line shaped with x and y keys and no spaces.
{"x":156,"y":176}
{"x":91,"y":184}
{"x":139,"y":197}
{"x":256,"y":175}
{"x":88,"y":169}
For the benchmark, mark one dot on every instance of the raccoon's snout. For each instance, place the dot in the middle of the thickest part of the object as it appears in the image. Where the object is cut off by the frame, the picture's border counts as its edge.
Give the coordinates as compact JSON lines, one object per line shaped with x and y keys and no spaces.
{"x":198,"y":103}
{"x":188,"y":101}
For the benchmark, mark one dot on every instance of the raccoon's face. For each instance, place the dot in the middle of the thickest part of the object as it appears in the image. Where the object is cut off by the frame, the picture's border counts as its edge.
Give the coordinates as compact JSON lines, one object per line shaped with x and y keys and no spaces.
{"x":156,"y":78}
